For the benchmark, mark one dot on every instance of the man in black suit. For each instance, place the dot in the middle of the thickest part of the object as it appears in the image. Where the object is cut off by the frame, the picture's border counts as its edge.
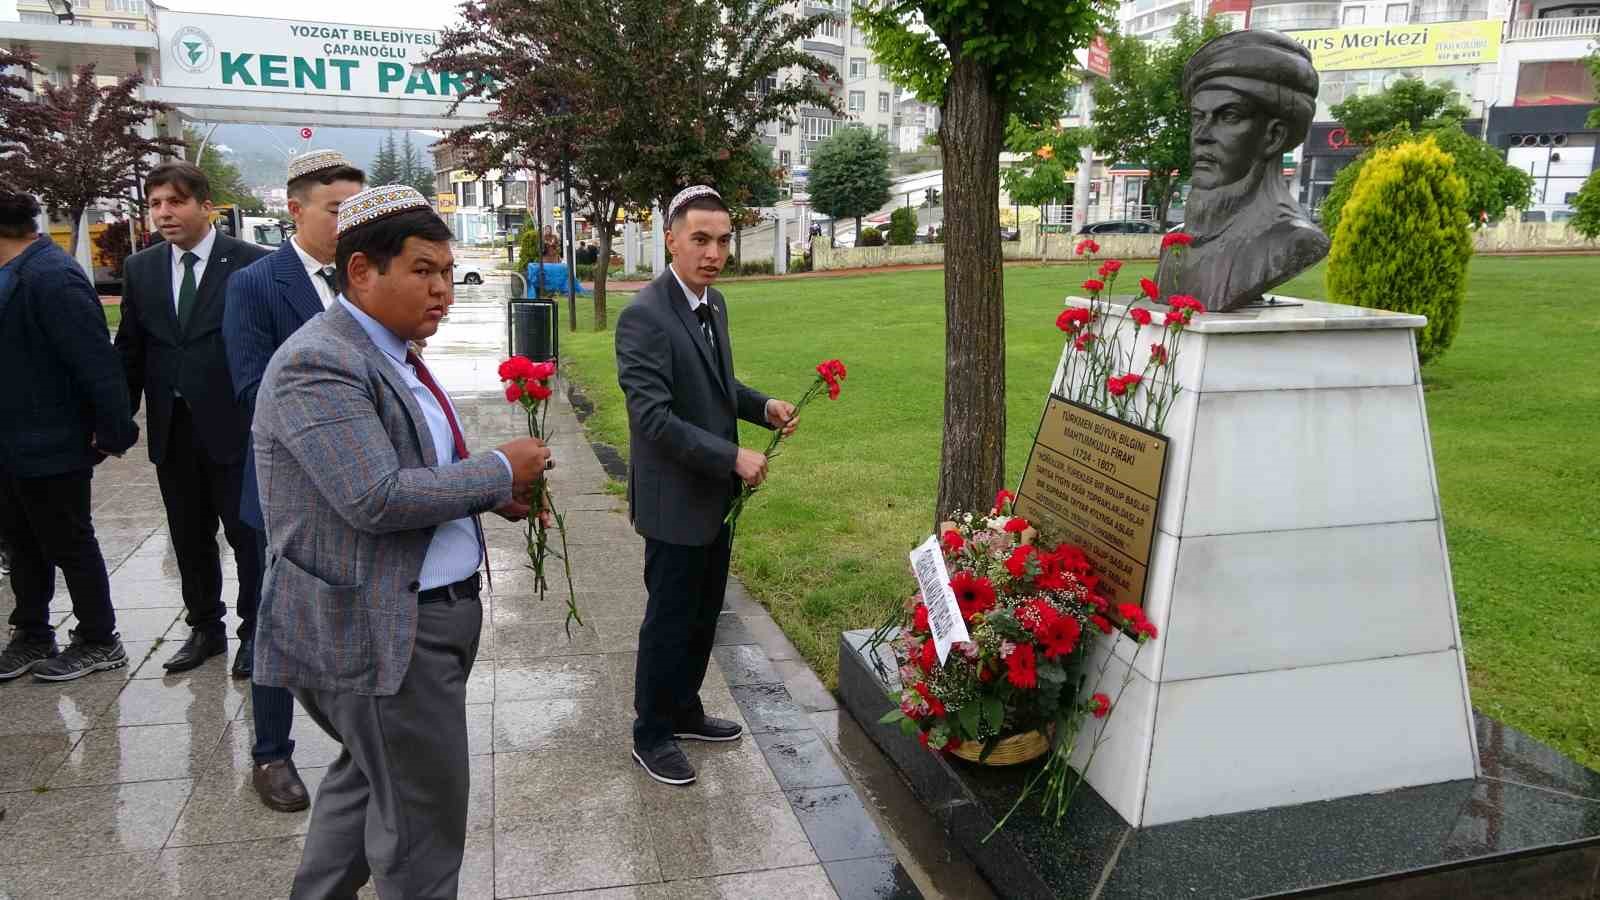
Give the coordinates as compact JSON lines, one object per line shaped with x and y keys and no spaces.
{"x":65,"y":409}
{"x":172,"y":352}
{"x":675,"y":366}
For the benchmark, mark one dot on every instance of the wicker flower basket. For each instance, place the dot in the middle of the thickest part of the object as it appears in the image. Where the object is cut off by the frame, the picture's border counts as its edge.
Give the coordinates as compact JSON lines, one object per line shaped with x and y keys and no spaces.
{"x":1010,"y":751}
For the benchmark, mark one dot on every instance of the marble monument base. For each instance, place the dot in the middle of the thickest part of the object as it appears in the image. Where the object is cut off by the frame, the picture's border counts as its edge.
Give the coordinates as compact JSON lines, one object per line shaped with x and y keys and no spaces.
{"x":1526,"y":828}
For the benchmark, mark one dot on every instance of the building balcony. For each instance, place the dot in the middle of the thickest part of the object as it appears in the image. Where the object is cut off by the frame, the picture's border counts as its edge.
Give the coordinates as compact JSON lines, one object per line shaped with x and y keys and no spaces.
{"x":1295,"y":15}
{"x":1427,"y":12}
{"x":1554,"y":29}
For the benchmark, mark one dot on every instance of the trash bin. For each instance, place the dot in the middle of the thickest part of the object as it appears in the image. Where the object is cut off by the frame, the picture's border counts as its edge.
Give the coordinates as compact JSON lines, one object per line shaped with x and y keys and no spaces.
{"x":532,"y":328}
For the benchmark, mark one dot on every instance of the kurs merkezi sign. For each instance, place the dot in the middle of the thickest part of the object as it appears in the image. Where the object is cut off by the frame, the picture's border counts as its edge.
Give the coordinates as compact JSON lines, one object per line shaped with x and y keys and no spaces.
{"x":244,"y":53}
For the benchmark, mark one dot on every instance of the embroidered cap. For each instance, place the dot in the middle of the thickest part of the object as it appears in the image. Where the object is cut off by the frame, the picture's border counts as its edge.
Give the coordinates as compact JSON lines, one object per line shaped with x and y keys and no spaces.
{"x":376,"y":203}
{"x":693,"y":192}
{"x":316,"y":161}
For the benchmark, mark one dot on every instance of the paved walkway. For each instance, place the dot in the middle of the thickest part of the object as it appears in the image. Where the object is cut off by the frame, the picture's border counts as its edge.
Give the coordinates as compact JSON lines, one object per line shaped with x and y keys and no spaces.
{"x":134,"y":783}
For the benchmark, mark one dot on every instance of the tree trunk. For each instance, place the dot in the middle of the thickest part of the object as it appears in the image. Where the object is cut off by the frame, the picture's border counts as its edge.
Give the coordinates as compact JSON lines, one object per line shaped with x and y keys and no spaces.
{"x":1164,"y":205}
{"x":738,"y":249}
{"x":971,"y":131}
{"x":72,"y":242}
{"x":858,"y":232}
{"x":604,"y":226}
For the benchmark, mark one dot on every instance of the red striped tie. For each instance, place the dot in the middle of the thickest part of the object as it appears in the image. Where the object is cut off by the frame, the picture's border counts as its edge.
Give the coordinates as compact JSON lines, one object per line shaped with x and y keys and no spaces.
{"x":424,"y":376}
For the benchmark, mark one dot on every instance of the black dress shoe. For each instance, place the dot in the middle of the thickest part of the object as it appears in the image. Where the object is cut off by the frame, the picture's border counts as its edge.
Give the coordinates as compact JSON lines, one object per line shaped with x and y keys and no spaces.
{"x":201,"y":646}
{"x":244,"y":661}
{"x":665,"y":763}
{"x":710,"y":729}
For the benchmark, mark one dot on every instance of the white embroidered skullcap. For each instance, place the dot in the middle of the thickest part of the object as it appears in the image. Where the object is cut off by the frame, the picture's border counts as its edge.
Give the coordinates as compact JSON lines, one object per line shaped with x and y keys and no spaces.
{"x":378,"y":202}
{"x":316,"y":161}
{"x":693,"y":192}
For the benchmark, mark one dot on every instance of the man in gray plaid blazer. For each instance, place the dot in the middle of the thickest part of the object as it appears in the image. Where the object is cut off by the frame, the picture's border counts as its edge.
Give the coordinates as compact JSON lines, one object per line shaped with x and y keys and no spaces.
{"x":370,"y":610}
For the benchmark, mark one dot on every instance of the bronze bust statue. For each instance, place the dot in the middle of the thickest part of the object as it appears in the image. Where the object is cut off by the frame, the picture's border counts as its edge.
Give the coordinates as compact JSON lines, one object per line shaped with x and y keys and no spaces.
{"x":1251,"y":95}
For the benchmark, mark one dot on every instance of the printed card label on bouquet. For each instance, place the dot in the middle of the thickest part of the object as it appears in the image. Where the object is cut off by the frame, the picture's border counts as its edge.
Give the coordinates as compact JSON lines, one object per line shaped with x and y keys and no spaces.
{"x":1095,"y":481}
{"x":944,"y":615}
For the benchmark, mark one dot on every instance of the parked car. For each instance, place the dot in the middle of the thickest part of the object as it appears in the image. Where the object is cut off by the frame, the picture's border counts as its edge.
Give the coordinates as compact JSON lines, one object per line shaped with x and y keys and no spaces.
{"x":1121,"y":226}
{"x":468,"y":273}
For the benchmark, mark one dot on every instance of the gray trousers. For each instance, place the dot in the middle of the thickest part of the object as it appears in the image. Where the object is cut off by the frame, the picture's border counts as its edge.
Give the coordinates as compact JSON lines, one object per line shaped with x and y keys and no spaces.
{"x":393,"y":806}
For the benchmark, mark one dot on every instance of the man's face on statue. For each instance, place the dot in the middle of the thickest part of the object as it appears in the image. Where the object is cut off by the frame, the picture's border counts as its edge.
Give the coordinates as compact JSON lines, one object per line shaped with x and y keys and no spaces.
{"x":1228,"y":137}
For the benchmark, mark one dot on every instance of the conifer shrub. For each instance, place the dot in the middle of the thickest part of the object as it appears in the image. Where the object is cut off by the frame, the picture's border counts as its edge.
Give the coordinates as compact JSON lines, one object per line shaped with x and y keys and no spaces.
{"x":1404,"y":240}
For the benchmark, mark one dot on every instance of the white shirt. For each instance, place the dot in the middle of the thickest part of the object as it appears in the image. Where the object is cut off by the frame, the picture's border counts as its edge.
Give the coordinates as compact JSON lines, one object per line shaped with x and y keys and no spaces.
{"x":313,"y":268}
{"x":454,"y":552}
{"x":694,"y":301}
{"x":202,"y":250}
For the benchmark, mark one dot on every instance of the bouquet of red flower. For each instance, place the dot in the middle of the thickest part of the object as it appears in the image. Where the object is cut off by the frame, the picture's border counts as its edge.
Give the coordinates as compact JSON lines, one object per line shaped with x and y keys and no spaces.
{"x":1030,"y":612}
{"x":1143,"y":392}
{"x":528,"y":384}
{"x":829,"y":373}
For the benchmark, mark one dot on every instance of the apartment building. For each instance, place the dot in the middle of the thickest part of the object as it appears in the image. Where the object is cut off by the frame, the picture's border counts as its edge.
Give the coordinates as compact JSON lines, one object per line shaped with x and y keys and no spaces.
{"x":128,"y":15}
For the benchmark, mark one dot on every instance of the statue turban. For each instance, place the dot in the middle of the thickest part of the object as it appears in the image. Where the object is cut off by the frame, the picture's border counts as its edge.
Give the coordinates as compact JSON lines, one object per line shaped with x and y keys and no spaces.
{"x":1267,"y":66}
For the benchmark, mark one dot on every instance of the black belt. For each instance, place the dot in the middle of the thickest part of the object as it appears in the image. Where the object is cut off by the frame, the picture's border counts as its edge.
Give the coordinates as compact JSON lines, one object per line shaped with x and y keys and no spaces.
{"x":465,"y":589}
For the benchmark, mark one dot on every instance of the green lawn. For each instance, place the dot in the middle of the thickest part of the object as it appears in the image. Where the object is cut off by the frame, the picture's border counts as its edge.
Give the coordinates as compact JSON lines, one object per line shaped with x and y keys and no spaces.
{"x":823,"y":545}
{"x":113,"y":317}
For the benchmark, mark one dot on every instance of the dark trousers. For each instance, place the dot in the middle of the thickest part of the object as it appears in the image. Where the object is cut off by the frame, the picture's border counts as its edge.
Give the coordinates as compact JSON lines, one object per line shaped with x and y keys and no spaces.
{"x":686,"y":585}
{"x":45,"y":521}
{"x":271,"y":707}
{"x":199,"y":494}
{"x":393,"y":806}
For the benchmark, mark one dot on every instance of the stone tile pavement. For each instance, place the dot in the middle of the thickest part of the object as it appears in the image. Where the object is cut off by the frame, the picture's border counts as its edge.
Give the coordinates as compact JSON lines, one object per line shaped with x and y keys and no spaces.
{"x":134,"y":783}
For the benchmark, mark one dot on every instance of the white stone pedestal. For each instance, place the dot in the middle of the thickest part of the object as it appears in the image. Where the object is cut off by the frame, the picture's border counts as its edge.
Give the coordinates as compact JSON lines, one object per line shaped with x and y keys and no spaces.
{"x":1309,"y":645}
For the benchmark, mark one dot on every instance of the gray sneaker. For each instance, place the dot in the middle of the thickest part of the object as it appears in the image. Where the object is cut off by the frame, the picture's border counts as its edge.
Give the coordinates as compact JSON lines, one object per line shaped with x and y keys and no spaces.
{"x":82,"y":658}
{"x":22,"y":655}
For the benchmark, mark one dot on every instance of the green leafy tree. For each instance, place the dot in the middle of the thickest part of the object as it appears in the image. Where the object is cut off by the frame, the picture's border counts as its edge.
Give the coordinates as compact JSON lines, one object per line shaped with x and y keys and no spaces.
{"x":850,"y":175}
{"x":76,"y":143}
{"x":1492,"y":183}
{"x":1409,"y":102}
{"x":1592,"y":62}
{"x":903,"y":226}
{"x":1403,"y":242}
{"x":637,"y":98}
{"x":1587,"y":220}
{"x":751,"y":184}
{"x":1139,"y":113}
{"x":227,"y":185}
{"x":1041,"y":176}
{"x":414,"y":170}
{"x":982,"y":63}
{"x":385,"y":168}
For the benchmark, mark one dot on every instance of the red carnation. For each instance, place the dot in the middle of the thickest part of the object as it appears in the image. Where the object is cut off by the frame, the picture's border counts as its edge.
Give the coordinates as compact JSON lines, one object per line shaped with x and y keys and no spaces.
{"x":1087,"y":245}
{"x":973,"y":595}
{"x":1100,"y":705}
{"x":1116,"y":386}
{"x":1130,"y":612}
{"x":1021,"y":667}
{"x":919,"y":619}
{"x":541,"y":371}
{"x":1175,"y":318}
{"x":1016,"y":525}
{"x":1176,"y":239}
{"x":1002,"y":498}
{"x":1145,"y":628}
{"x":1094,"y":285}
{"x":1184,"y":301}
{"x":1132,"y":379}
{"x":538,"y":391}
{"x":1149,"y":288}
{"x":1073,"y":319}
{"x":1139,"y":315}
{"x":1110,"y":267}
{"x":1017,"y":565}
{"x":952,"y":541}
{"x":513,"y":393}
{"x":1158,"y":354}
{"x":935,"y":705}
{"x":928,"y":656}
{"x":1083,"y":341}
{"x":1102,"y":623}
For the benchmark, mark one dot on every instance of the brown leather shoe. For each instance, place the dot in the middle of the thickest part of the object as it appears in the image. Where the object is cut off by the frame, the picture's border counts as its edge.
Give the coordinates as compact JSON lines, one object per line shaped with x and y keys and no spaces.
{"x":279,"y":786}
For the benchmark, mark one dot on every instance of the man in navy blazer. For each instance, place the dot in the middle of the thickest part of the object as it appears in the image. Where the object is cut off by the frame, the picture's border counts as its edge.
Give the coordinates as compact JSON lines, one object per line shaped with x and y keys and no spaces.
{"x":65,"y":408}
{"x":268,"y":301}
{"x":170,"y":340}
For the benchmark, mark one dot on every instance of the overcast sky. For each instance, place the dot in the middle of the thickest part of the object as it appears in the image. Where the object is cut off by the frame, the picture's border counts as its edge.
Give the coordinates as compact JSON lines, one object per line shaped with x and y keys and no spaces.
{"x":409,"y":13}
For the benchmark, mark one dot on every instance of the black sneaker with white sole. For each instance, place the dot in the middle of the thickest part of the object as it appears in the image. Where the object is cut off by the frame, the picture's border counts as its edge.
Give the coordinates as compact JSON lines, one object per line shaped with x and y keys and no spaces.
{"x":21,"y":656}
{"x":665,"y":763}
{"x":82,"y":658}
{"x":710,"y":728}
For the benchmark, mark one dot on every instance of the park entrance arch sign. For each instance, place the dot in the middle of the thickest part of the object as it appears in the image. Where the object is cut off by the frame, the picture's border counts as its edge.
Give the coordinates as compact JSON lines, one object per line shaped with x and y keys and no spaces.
{"x":224,"y":68}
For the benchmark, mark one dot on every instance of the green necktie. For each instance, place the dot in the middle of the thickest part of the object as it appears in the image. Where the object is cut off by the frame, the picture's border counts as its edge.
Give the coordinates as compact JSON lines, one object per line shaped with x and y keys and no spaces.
{"x":187,"y":292}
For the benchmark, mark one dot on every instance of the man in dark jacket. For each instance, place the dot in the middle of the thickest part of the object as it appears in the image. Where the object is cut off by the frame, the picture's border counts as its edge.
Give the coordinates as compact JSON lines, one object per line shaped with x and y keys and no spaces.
{"x":172,"y":352}
{"x":66,"y":408}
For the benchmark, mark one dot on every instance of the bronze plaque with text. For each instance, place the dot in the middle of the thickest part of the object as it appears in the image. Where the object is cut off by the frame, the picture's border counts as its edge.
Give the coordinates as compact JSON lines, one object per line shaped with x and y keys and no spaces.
{"x":1095,"y":481}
